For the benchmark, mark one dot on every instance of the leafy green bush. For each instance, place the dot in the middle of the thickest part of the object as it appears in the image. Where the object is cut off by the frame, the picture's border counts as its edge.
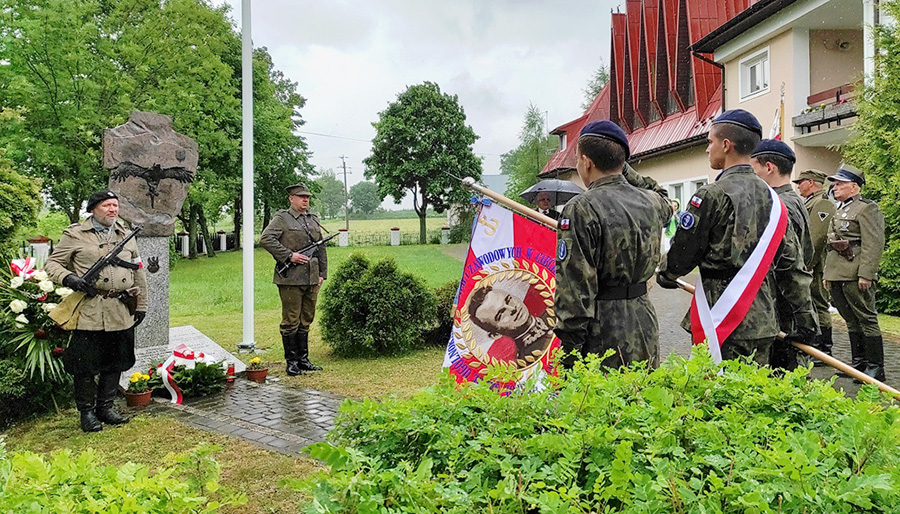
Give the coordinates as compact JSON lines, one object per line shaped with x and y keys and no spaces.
{"x":22,"y":396}
{"x":370,"y":310}
{"x":679,"y":439}
{"x":462,"y":231}
{"x":443,"y":321}
{"x":20,"y":200}
{"x":80,"y":483}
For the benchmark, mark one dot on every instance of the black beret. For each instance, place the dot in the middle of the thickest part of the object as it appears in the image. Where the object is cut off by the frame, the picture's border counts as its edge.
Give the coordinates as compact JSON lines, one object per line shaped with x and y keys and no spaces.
{"x":741,"y":118}
{"x":607,"y":130}
{"x":774,"y":147}
{"x":98,"y":197}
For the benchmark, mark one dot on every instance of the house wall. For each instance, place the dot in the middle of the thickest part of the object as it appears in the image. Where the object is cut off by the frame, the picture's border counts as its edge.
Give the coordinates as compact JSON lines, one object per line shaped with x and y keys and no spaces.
{"x":685,"y":167}
{"x":791,"y":58}
{"x":829,"y":65}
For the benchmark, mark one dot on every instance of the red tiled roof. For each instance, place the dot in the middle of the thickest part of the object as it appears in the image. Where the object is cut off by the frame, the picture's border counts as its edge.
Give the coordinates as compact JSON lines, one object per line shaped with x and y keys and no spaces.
{"x":633,"y":98}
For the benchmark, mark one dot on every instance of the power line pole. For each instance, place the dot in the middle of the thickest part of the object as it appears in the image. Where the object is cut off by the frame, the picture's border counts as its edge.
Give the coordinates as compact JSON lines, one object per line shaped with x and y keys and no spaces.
{"x":346,"y":196}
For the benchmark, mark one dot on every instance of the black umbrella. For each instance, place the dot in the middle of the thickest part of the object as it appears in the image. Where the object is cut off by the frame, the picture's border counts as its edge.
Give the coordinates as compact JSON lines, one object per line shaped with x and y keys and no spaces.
{"x":561,"y":191}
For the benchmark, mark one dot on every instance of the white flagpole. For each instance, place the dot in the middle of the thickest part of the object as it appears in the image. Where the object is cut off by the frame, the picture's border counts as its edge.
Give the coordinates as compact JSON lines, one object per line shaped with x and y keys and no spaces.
{"x":248,"y":342}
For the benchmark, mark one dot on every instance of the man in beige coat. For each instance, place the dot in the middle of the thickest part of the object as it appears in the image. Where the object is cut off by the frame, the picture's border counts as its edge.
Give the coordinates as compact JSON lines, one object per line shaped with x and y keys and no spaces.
{"x":103,"y":341}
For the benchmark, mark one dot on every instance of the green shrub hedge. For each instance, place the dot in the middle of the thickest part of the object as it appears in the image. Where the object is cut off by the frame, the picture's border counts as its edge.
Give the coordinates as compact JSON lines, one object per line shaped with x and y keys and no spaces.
{"x":679,"y":439}
{"x":80,"y":484}
{"x":375,"y":309}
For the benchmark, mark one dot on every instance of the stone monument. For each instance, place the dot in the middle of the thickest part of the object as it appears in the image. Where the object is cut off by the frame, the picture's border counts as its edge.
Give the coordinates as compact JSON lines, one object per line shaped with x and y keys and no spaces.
{"x":151,"y":167}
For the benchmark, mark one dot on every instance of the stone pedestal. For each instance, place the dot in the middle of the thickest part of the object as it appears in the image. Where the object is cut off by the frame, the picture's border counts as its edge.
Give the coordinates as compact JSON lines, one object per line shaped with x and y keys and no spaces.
{"x":395,"y":237}
{"x":154,"y":331}
{"x":445,"y":235}
{"x":185,"y":245}
{"x":223,"y":242}
{"x":343,"y":238}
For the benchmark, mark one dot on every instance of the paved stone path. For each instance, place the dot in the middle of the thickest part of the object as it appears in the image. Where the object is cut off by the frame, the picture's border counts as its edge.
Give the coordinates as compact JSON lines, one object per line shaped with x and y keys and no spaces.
{"x":278,"y":418}
{"x":286,"y":419}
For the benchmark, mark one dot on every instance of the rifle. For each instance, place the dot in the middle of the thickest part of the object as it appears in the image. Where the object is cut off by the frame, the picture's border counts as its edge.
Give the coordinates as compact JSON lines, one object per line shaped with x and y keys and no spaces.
{"x":66,"y":313}
{"x":308,"y":250}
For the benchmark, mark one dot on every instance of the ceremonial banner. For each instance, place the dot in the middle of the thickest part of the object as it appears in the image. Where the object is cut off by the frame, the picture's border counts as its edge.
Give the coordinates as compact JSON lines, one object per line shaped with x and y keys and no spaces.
{"x":503,"y":314}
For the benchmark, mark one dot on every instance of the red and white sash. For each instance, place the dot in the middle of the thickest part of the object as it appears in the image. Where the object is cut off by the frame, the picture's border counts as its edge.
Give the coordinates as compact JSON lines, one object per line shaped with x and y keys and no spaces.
{"x":714,"y":324}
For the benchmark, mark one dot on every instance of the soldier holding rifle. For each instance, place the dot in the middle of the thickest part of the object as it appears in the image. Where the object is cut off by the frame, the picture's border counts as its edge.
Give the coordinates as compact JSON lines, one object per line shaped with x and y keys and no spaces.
{"x":289,"y":231}
{"x":116,"y":302}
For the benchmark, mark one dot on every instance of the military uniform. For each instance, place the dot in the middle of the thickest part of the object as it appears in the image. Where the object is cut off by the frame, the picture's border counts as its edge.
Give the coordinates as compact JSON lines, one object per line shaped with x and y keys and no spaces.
{"x":856,"y":242}
{"x":609,"y":241}
{"x":784,"y":355}
{"x":721,"y":226}
{"x":820,"y":210}
{"x":289,"y":231}
{"x":103,"y":341}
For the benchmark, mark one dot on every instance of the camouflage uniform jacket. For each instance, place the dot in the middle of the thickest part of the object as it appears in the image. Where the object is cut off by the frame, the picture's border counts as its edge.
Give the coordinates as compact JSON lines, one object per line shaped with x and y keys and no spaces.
{"x":861,"y":222}
{"x":799,"y":220}
{"x":613,"y":240}
{"x":79,"y":248}
{"x":289,"y":231}
{"x":820,"y":210}
{"x":719,"y":230}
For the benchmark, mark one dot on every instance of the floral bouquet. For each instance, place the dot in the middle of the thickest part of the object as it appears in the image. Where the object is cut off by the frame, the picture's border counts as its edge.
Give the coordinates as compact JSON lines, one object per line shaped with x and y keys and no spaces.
{"x":27,"y":295}
{"x":255,"y":363}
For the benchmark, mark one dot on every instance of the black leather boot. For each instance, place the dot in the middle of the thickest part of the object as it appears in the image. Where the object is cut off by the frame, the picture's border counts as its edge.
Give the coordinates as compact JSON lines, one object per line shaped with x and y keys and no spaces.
{"x":875,"y":356}
{"x":824,"y":342}
{"x":85,"y":392}
{"x":303,"y":352}
{"x":107,"y":387}
{"x":858,"y":351}
{"x":289,"y":341}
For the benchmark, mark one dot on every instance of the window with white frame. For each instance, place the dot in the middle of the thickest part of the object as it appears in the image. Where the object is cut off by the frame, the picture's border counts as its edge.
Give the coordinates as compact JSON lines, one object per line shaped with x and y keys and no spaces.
{"x":755,"y":74}
{"x":562,"y":141}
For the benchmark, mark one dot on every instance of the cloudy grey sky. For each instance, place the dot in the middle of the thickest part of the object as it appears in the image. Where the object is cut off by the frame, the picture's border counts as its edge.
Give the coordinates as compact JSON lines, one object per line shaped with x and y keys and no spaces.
{"x":351,"y":58}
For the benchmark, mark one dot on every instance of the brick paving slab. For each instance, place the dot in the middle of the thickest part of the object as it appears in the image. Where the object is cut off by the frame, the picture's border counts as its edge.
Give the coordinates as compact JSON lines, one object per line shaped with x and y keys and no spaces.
{"x":284,"y":419}
{"x":271,"y":416}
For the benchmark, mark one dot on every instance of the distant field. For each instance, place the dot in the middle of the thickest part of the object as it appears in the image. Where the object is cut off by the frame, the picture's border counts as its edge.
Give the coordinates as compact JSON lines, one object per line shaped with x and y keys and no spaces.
{"x":405,"y":225}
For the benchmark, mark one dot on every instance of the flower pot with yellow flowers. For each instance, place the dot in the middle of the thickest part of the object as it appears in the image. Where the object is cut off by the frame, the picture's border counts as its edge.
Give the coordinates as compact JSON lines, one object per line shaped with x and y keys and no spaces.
{"x":139,"y":392}
{"x":256,"y":371}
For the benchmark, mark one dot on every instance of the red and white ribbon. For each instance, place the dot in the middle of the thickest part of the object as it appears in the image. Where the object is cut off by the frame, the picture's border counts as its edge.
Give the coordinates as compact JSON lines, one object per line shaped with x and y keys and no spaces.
{"x":24,"y":268}
{"x":714,"y":324}
{"x":165,"y":371}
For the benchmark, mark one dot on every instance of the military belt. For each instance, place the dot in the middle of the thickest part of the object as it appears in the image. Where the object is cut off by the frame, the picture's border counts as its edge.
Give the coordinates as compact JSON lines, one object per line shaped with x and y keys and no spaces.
{"x":623,"y":292}
{"x":112,"y":293}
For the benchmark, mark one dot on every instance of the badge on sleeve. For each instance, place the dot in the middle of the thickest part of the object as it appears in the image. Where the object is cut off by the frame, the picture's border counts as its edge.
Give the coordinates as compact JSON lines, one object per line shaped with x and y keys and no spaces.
{"x":696,"y":201}
{"x":562,"y":250}
{"x":564,"y":224}
{"x":687,"y":221}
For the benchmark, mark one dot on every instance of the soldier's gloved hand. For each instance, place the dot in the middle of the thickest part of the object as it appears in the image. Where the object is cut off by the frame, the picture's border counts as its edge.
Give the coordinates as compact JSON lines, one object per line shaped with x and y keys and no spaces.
{"x":75,"y":283}
{"x":665,"y":281}
{"x":139,"y":317}
{"x":802,"y":335}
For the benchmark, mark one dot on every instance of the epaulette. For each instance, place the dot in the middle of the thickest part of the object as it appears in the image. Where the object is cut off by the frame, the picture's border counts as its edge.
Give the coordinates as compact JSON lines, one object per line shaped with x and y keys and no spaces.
{"x":866,"y":200}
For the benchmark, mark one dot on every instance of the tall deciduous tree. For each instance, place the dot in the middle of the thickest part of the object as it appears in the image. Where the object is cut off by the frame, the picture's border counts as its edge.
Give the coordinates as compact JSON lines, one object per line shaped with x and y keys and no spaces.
{"x":364,"y":197}
{"x":331,"y":194}
{"x":421,"y":140}
{"x":875,"y":149}
{"x":528,"y":159}
{"x":595,"y":85}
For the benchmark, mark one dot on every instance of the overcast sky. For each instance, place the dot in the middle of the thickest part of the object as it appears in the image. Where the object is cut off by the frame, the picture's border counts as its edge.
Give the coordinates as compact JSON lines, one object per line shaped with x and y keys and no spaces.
{"x":352,"y":58}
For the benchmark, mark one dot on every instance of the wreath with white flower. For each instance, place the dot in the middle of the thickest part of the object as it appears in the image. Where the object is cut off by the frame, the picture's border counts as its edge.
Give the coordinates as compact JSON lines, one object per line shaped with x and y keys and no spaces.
{"x":27,"y":295}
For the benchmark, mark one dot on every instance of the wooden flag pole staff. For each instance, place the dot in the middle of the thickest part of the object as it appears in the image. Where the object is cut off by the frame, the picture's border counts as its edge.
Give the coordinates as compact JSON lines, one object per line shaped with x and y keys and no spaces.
{"x":470,"y":183}
{"x":824,"y":357}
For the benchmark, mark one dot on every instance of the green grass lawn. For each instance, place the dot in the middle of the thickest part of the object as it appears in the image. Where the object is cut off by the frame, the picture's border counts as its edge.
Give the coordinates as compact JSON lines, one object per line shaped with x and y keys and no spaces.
{"x":206,"y":293}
